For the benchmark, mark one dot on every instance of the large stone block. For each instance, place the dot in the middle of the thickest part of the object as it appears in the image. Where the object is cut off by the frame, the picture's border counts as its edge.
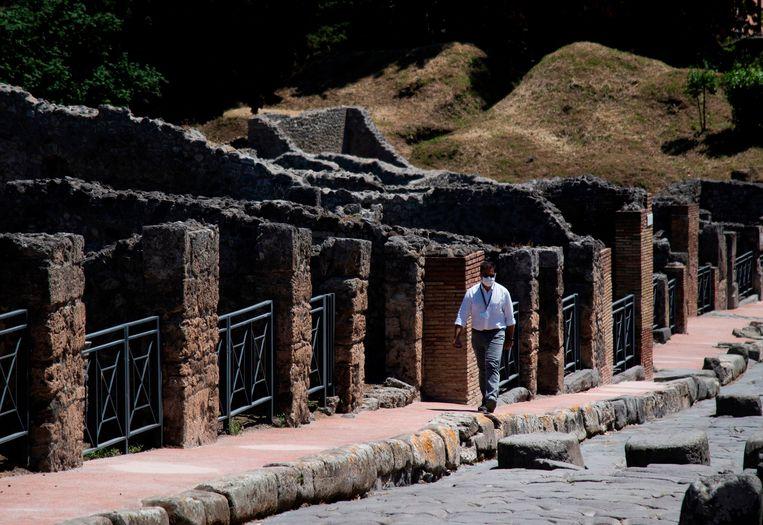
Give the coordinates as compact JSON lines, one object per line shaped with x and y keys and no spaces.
{"x":753,"y":448}
{"x":252,"y":495}
{"x":686,"y":448}
{"x":522,"y":450}
{"x":738,"y":405}
{"x":723,"y":499}
{"x":144,"y":516}
{"x":180,"y":509}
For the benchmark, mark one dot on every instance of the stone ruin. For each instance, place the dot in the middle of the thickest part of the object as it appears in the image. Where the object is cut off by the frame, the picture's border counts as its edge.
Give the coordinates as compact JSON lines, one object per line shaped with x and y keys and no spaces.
{"x":109,"y":218}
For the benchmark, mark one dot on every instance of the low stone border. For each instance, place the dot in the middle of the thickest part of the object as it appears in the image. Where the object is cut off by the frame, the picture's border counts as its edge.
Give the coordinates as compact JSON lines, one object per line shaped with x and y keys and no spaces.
{"x":351,"y":471}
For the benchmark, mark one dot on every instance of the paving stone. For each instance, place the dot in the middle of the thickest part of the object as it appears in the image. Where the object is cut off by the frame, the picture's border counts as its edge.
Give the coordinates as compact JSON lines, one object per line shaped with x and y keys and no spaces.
{"x":672,"y":374}
{"x":144,"y":516}
{"x":738,"y":405}
{"x":687,"y":447}
{"x":752,"y":450}
{"x":707,"y":387}
{"x":249,"y":496}
{"x":724,"y":498}
{"x":181,"y":510}
{"x":88,"y":520}
{"x":215,"y":506}
{"x":581,"y":380}
{"x":295,"y":485}
{"x":521,"y":450}
{"x":550,"y":464}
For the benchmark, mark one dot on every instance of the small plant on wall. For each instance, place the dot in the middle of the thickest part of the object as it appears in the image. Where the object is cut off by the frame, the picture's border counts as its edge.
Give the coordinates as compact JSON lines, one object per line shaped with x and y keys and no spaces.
{"x":700,"y":83}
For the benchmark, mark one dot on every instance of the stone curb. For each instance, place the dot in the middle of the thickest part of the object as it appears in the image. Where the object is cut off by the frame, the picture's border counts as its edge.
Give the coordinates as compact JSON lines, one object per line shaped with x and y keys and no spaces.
{"x":448,"y":441}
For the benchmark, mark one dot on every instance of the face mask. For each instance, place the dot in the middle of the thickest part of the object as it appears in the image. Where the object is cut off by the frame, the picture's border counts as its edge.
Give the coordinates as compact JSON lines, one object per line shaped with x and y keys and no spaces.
{"x":488,"y":281}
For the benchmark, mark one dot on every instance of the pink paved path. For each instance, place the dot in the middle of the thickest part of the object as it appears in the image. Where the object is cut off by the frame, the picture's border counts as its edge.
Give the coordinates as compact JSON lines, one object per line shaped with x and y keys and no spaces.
{"x":121,"y":482}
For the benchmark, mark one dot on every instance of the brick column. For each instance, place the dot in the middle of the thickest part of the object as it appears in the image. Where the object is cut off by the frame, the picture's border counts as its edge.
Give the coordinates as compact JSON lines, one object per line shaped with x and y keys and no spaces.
{"x":588,"y":271}
{"x":342,"y":266}
{"x":404,"y":310}
{"x":712,"y":249}
{"x":518,"y":272}
{"x":181,"y":270}
{"x":43,"y":274}
{"x":633,"y":274}
{"x":283,"y":260}
{"x":551,"y":325}
{"x":678,"y":272}
{"x":448,"y":373}
{"x":684,"y":237}
{"x":732,"y":289}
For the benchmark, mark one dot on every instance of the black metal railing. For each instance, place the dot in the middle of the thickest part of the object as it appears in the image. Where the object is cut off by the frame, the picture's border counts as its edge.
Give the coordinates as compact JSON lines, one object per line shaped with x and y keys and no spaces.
{"x":744,"y":269}
{"x":704,"y":289}
{"x":624,"y":333}
{"x":14,"y":376}
{"x":672,"y":304}
{"x":322,"y":361}
{"x":124,"y":384}
{"x":658,"y":304}
{"x":509,"y":369}
{"x":246,"y":360}
{"x":571,"y":333}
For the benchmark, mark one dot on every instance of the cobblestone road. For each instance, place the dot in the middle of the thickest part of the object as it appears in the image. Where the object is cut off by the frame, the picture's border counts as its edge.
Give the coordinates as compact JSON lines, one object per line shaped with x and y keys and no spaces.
{"x":607,"y":492}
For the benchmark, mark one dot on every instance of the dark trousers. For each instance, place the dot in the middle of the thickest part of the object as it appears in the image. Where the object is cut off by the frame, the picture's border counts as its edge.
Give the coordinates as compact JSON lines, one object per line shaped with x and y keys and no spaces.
{"x":488,"y":349}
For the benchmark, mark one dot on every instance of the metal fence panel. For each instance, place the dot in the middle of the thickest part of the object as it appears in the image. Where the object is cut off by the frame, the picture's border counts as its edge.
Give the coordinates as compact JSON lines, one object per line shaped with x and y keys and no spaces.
{"x":624,"y":333}
{"x":14,"y":376}
{"x":571,"y":316}
{"x":672,"y":304}
{"x":124,"y":384}
{"x":704,"y":289}
{"x":322,"y":361}
{"x":246,"y":360}
{"x":744,"y":269}
{"x":509,"y":369}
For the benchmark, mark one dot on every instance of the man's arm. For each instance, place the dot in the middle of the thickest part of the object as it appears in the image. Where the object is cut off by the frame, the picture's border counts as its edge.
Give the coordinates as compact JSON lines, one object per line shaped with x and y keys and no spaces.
{"x":461,"y":319}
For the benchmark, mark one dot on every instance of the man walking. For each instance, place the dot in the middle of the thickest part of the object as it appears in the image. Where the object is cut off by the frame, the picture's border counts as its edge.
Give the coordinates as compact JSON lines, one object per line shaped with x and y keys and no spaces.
{"x":489,"y":306}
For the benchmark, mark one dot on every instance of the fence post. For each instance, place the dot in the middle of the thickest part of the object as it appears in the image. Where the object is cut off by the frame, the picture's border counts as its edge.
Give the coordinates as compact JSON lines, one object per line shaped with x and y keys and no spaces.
{"x":43,"y":274}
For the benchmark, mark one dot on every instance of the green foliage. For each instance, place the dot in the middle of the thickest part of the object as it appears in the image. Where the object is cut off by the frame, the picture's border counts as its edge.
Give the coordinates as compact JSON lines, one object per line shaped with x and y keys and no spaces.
{"x":66,"y":52}
{"x":744,"y":90}
{"x":235,"y":427}
{"x":699,"y":84}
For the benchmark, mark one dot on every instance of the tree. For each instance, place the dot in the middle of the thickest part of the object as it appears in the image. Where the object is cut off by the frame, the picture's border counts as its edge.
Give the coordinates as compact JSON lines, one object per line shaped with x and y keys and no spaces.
{"x":744,"y":90}
{"x":68,"y":53}
{"x":699,"y":84}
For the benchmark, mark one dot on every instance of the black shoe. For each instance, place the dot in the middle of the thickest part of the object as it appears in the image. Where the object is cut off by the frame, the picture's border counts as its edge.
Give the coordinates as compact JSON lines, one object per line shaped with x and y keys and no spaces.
{"x":482,"y":409}
{"x":490,"y":405}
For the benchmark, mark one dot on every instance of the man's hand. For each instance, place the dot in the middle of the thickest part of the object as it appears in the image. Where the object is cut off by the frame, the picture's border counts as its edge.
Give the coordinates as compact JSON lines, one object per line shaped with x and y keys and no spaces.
{"x":457,"y":337}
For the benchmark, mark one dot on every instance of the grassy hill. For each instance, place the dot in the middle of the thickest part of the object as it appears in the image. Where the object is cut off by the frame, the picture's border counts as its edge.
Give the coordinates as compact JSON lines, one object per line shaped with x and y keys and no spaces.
{"x":585,"y":108}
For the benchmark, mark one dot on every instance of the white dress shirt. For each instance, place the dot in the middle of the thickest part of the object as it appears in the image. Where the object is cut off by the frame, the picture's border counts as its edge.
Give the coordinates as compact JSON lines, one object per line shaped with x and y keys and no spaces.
{"x":489,"y":310}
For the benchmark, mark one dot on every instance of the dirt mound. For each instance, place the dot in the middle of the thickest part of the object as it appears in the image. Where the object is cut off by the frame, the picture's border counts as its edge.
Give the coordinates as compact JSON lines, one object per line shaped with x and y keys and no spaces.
{"x":587,"y":108}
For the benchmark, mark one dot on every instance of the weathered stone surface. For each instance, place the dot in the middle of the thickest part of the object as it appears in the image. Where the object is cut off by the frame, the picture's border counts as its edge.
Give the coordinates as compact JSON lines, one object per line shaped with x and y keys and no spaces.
{"x":393,"y":393}
{"x":249,"y":496}
{"x":726,"y":367}
{"x":754,"y":330}
{"x":181,"y":509}
{"x":620,"y":409}
{"x":521,"y":450}
{"x":707,"y":387}
{"x":428,"y":451}
{"x":550,"y":464}
{"x":664,"y":376}
{"x":686,"y":448}
{"x":449,"y":436}
{"x":88,"y":520}
{"x":144,"y":516}
{"x":295,"y":484}
{"x":591,"y":420}
{"x":724,"y":498}
{"x":737,"y":405}
{"x":515,"y":395}
{"x":606,"y":415}
{"x":753,"y":448}
{"x":750,"y":349}
{"x":215,"y":506}
{"x":581,"y":381}
{"x":634,"y":373}
{"x":570,"y":421}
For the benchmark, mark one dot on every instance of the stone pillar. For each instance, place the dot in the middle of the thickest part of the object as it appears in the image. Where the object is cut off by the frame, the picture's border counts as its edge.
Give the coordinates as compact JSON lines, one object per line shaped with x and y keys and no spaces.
{"x":518,"y":271}
{"x":43,"y":274}
{"x":588,"y":271}
{"x":684,"y":231}
{"x":181,"y":271}
{"x":283,"y":260}
{"x":678,"y":272}
{"x":633,"y":266}
{"x":732,"y":289}
{"x":342,"y":267}
{"x":712,"y":250}
{"x":661,"y":308}
{"x":551,"y":325}
{"x":404,"y":310}
{"x":448,"y":373}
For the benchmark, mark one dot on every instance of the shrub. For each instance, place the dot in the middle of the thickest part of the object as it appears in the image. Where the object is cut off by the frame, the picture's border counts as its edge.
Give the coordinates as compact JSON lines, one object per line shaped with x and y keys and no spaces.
{"x":699,"y":84}
{"x":744,"y":90}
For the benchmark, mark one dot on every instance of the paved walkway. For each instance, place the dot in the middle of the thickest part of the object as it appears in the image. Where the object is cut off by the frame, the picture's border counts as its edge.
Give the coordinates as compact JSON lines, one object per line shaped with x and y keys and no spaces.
{"x":121,"y":482}
{"x":607,"y":491}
